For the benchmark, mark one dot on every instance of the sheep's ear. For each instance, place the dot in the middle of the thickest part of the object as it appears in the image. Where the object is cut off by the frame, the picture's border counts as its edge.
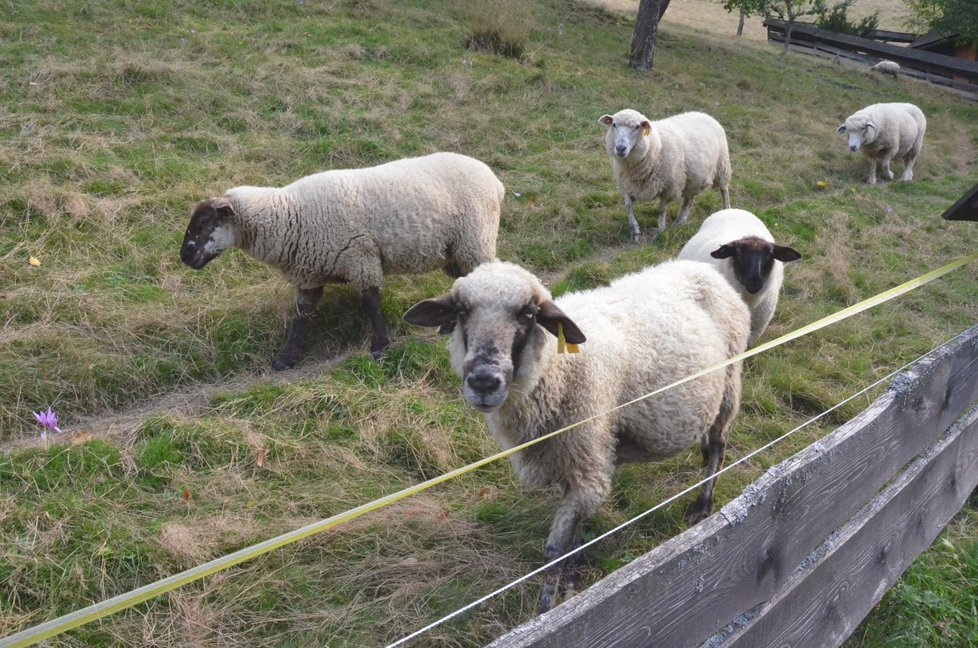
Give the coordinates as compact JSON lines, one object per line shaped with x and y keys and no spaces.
{"x":841,"y":129}
{"x":607,"y":120}
{"x":785,"y":254}
{"x":223,"y":207}
{"x":432,"y":312}
{"x":646,"y":127}
{"x":870,"y":125}
{"x":723,"y":252}
{"x":553,"y":319}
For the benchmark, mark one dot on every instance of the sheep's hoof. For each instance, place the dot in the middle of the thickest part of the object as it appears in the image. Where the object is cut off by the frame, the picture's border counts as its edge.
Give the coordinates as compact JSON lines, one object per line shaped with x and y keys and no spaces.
{"x":286,"y":360}
{"x":636,"y":234}
{"x":699,"y":511}
{"x":655,"y":235}
{"x":377,"y":347}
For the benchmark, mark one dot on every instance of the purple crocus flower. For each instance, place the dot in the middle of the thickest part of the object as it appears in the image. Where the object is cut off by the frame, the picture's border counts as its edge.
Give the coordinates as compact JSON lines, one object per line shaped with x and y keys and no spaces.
{"x":48,"y":419}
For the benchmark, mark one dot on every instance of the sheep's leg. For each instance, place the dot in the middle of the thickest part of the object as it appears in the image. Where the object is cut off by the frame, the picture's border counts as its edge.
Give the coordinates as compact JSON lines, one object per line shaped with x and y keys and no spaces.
{"x":886,"y":167}
{"x":564,"y":536}
{"x":370,"y":298}
{"x":908,"y":161}
{"x":714,"y":444}
{"x":663,"y":210}
{"x":305,"y":302}
{"x":872,"y":171}
{"x":725,"y":196}
{"x":632,"y":221}
{"x":684,"y":211}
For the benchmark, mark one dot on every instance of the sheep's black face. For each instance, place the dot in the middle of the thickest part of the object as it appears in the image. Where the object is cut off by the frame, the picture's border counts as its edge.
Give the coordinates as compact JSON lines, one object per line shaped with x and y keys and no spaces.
{"x":210,"y":232}
{"x":753,"y":258}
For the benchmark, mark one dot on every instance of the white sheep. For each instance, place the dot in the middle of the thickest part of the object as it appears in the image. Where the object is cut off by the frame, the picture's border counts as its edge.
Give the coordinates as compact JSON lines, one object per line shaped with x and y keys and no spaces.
{"x":887,"y":67}
{"x":644,"y":331}
{"x":356,"y":225}
{"x":738,"y":244}
{"x":673,"y":158}
{"x":884,"y":131}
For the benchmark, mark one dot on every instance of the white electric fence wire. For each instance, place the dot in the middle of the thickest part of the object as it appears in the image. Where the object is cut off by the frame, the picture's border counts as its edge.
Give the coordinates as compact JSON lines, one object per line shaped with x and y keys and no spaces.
{"x":669,"y":500}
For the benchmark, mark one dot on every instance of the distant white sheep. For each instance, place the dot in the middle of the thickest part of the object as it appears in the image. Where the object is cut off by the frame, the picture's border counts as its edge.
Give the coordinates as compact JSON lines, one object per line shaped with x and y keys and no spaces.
{"x":887,"y":67}
{"x":884,"y":131}
{"x":356,"y":225}
{"x":644,"y":331}
{"x":740,"y":246}
{"x":673,"y":158}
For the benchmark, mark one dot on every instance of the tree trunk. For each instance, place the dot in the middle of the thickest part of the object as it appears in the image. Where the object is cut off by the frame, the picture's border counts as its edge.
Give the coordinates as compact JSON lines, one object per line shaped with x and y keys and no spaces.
{"x":643,"y":39}
{"x":740,"y":25}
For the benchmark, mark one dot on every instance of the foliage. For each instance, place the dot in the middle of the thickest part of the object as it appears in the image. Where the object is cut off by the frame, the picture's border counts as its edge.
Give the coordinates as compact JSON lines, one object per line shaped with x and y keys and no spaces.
{"x":947,"y":18}
{"x":788,"y":11}
{"x":498,"y":27}
{"x":836,"y":19}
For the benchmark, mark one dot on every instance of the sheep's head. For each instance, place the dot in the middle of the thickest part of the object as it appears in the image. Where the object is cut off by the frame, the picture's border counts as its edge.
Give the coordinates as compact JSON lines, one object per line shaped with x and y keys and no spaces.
{"x":210,"y":232}
{"x":860,"y":128}
{"x":498,"y":311}
{"x":752,"y":259}
{"x":626,"y":128}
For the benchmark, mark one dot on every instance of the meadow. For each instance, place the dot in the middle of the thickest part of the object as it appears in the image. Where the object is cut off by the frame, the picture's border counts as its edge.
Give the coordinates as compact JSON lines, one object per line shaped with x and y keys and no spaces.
{"x":180,"y":444}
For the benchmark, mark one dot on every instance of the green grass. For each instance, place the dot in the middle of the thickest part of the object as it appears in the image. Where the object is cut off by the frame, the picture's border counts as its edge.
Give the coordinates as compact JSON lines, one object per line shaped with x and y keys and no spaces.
{"x":115,"y":117}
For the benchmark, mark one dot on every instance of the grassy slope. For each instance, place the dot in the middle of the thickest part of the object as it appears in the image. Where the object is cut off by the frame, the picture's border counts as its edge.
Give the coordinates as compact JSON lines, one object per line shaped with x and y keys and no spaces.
{"x":116,"y":117}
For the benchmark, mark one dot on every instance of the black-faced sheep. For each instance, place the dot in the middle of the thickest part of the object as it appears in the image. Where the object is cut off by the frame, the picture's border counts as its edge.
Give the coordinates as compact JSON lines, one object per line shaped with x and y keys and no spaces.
{"x":673,"y":158}
{"x":644,"y":331}
{"x":884,"y":131}
{"x":740,"y":246}
{"x":356,"y":225}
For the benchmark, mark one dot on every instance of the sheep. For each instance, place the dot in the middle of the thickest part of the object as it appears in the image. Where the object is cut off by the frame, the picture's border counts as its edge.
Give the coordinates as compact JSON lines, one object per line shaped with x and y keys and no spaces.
{"x":356,"y":225}
{"x":673,"y":158}
{"x":644,"y":331}
{"x":884,"y":131}
{"x":742,"y":249}
{"x":887,"y":67}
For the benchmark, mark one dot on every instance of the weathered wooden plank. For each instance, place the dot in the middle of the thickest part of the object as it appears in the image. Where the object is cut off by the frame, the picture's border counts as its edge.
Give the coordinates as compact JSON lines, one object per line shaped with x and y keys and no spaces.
{"x":935,"y":63}
{"x":685,"y":590}
{"x":825,"y":601}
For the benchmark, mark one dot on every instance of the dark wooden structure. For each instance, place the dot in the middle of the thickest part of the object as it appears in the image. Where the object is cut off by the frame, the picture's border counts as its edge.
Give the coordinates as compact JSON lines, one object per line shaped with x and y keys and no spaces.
{"x":807,"y":550}
{"x":965,"y":209}
{"x":936,"y":68}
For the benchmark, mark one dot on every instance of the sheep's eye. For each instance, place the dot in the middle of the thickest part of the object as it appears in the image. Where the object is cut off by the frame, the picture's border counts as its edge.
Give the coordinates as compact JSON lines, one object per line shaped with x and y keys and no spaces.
{"x":461,"y":312}
{"x":529,"y":313}
{"x":638,"y":126}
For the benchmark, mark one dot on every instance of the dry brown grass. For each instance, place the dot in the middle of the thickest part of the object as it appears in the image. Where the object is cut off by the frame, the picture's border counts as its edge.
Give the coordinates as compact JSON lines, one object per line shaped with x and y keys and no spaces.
{"x":710,"y":16}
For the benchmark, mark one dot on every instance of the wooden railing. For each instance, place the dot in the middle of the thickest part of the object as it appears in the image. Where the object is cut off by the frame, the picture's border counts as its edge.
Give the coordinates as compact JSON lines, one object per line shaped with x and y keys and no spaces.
{"x":936,"y":68}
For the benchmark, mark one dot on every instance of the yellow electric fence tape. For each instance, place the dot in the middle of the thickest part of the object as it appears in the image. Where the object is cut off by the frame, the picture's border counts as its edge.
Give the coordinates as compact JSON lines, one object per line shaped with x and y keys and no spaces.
{"x":91,"y":613}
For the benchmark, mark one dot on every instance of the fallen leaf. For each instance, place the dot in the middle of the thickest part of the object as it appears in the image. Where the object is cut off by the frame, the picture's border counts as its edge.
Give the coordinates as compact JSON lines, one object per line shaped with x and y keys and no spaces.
{"x":261,"y":456}
{"x":34,"y":261}
{"x":185,"y":495}
{"x":81,"y":437}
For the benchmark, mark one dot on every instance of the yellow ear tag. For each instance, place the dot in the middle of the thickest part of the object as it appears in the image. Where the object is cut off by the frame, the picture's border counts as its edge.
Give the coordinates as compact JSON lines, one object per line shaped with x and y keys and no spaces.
{"x":563,"y":346}
{"x":646,"y":131}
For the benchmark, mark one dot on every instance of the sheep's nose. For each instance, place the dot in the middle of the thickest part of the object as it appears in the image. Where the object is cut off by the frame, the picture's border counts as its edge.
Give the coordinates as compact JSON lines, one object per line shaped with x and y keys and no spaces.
{"x":853,"y":147}
{"x":621,"y":149}
{"x":483,"y":381}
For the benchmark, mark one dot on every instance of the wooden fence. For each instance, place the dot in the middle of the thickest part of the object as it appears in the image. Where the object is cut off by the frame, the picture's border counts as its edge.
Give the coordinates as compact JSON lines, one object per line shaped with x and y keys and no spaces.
{"x":806,"y":551}
{"x":943,"y":70}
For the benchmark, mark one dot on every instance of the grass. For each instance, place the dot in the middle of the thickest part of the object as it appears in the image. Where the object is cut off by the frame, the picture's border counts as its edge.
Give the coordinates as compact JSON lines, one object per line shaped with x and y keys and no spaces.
{"x":107,"y":139}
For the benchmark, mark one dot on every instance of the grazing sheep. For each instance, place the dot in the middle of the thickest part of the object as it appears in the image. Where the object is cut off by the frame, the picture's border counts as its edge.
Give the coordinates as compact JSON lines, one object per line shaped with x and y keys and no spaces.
{"x":884,"y":131}
{"x":356,"y":225}
{"x":738,"y":244}
{"x":887,"y":67}
{"x":644,"y":331}
{"x":673,"y":158}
